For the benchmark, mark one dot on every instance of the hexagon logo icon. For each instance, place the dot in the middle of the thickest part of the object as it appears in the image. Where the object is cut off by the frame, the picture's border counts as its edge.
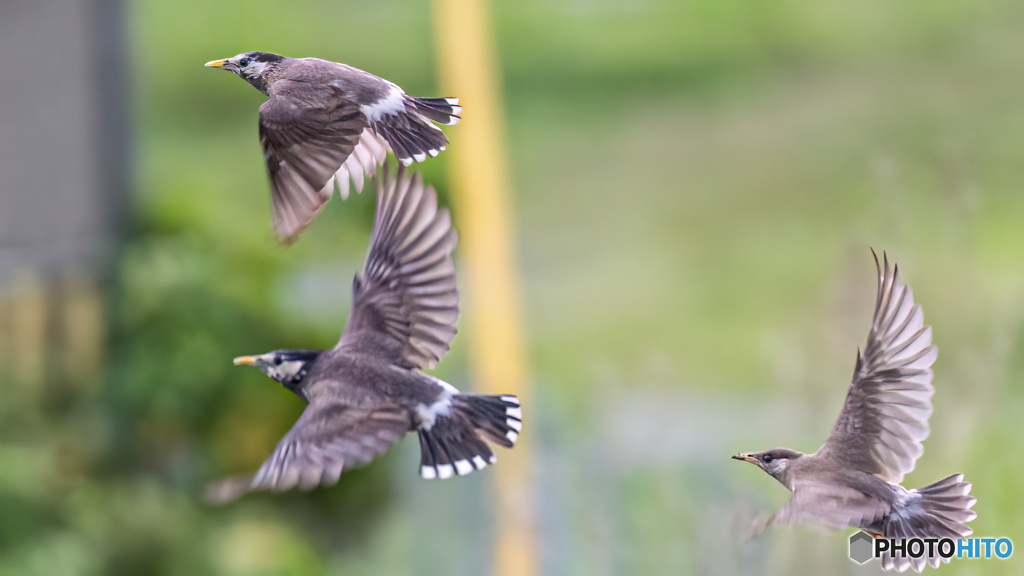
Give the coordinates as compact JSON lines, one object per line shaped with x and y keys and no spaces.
{"x":860,"y":547}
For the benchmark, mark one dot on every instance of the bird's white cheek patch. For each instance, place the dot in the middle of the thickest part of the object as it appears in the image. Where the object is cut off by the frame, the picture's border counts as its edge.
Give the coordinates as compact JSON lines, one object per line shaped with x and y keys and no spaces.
{"x":285,"y":370}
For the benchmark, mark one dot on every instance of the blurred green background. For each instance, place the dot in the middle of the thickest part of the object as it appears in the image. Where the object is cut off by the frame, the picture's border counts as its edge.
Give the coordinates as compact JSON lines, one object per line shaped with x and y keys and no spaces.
{"x":697,"y":186}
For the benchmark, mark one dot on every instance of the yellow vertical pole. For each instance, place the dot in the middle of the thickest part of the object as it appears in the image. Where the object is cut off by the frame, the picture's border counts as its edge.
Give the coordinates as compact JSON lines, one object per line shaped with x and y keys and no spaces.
{"x":480,"y":186}
{"x":30,"y":308}
{"x":83,"y":331}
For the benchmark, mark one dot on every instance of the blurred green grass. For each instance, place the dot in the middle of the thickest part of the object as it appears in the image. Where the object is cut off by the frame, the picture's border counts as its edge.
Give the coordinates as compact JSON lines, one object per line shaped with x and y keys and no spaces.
{"x":697,"y":187}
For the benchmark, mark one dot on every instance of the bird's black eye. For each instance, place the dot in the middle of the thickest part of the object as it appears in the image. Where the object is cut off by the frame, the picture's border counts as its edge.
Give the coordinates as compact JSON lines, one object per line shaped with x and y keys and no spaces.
{"x":243,"y":62}
{"x":766,"y":458}
{"x":277,"y":360}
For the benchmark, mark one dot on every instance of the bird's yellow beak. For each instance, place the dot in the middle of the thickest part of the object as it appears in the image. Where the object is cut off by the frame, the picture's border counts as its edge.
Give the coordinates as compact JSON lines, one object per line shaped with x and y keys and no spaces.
{"x":246,"y":360}
{"x":216,"y":64}
{"x":746,"y":458}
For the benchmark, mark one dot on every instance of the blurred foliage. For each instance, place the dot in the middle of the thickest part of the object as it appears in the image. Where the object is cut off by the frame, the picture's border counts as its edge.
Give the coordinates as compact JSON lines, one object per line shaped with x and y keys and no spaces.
{"x":698,"y":184}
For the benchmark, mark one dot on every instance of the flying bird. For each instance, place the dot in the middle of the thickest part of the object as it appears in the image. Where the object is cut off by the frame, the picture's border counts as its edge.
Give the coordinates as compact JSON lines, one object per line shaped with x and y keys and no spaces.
{"x":326,"y":123}
{"x":370,"y":389}
{"x":854,"y":478}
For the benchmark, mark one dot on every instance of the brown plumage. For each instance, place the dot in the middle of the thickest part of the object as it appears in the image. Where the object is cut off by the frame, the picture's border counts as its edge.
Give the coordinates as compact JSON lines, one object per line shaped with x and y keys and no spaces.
{"x":326,"y":123}
{"x":368,"y":391}
{"x":854,"y":478}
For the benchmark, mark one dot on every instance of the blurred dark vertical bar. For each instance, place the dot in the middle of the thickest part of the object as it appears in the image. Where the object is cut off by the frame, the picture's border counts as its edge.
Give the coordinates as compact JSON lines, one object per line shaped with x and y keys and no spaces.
{"x":111,"y":69}
{"x":64,"y":183}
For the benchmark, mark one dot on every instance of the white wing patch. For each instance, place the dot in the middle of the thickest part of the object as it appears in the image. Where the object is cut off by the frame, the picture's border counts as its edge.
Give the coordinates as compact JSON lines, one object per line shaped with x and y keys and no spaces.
{"x":393,"y":103}
{"x":429,"y":413}
{"x":361,"y":164}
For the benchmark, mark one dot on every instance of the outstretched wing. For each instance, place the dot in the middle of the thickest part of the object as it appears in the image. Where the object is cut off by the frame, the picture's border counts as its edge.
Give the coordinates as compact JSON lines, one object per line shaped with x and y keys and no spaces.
{"x":885,"y":416}
{"x":307,"y":133}
{"x":405,"y":303}
{"x":329,"y":437}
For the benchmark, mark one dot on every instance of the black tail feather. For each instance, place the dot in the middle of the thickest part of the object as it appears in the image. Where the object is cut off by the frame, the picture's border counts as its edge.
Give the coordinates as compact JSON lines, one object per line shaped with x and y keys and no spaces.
{"x":441,"y":110}
{"x":412,"y":139}
{"x":499,"y":418}
{"x":391,"y":136}
{"x":454,"y":444}
{"x":410,"y":133}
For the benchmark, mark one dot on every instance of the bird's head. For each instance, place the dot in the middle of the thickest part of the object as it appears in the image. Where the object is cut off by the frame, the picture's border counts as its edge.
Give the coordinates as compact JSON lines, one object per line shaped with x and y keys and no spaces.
{"x":775,"y":462}
{"x":289,"y":367}
{"x":254,"y":67}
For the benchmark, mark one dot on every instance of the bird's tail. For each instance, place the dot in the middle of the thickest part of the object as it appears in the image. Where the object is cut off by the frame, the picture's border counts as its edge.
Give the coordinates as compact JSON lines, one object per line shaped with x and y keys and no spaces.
{"x":940,"y":510}
{"x":454,"y":444}
{"x":410,"y":133}
{"x":441,"y":110}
